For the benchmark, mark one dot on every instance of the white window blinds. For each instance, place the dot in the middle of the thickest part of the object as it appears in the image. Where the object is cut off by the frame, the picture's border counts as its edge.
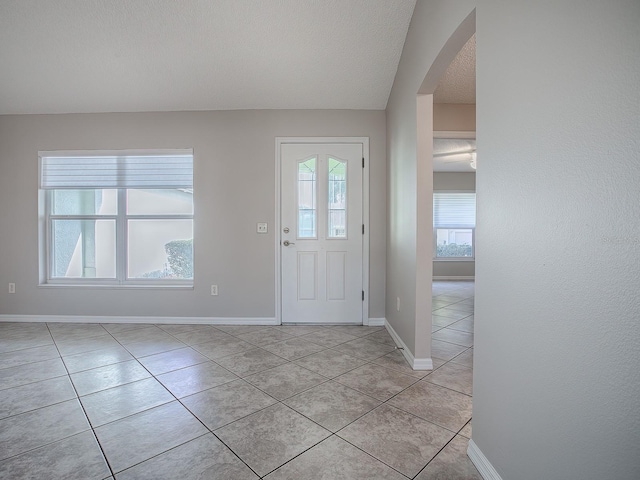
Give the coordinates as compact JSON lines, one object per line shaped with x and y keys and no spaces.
{"x":152,"y":171}
{"x":454,"y":210}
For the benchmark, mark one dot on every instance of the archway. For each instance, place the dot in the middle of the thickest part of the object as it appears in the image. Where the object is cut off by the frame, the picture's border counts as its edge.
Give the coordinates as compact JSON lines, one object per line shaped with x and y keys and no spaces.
{"x":424,"y":151}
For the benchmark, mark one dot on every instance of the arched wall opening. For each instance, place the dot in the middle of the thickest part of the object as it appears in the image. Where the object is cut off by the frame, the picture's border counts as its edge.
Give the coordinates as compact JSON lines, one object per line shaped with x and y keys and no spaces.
{"x":424,"y":177}
{"x":438,"y":30}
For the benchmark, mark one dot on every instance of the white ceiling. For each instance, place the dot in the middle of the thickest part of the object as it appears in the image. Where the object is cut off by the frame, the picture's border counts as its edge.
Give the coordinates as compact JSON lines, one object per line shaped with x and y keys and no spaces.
{"x":60,"y":56}
{"x":453,"y":154}
{"x":457,"y":85}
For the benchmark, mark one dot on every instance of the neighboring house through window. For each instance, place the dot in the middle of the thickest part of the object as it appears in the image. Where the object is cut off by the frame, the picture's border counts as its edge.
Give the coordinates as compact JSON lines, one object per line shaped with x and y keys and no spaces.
{"x":117,"y":218}
{"x":454,"y":225}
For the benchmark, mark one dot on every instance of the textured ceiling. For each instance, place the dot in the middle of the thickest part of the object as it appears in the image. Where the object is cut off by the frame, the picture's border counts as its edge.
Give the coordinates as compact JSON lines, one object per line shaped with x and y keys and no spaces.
{"x":157,"y":55}
{"x":458,"y":84}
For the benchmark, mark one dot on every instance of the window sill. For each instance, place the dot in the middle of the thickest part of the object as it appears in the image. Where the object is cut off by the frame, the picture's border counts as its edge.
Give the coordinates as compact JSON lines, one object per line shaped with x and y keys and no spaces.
{"x":455,"y":259}
{"x":115,"y":286}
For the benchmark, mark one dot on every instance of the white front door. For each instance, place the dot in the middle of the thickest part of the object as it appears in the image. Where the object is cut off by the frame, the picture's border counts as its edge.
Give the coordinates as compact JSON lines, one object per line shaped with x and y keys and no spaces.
{"x":321,"y":232}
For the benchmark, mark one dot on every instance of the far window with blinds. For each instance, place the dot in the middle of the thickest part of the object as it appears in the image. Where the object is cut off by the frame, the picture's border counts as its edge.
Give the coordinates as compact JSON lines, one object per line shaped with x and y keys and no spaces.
{"x":454,"y":225}
{"x":117,"y":218}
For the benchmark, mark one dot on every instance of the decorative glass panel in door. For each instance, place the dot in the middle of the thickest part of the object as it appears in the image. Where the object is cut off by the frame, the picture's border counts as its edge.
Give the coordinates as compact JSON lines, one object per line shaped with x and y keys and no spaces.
{"x":337,"y":196}
{"x":307,"y":218}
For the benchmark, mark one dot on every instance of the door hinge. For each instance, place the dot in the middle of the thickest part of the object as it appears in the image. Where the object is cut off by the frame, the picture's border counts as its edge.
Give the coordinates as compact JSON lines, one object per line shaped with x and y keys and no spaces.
{"x":362,"y":162}
{"x":363,"y":228}
{"x":363,"y":295}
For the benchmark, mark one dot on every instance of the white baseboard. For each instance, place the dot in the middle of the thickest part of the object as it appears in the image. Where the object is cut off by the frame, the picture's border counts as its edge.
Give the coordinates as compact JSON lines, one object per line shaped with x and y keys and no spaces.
{"x":481,"y":462}
{"x":453,"y":277}
{"x":376,"y":322}
{"x":416,"y":363}
{"x":422,"y":363}
{"x":133,"y":319}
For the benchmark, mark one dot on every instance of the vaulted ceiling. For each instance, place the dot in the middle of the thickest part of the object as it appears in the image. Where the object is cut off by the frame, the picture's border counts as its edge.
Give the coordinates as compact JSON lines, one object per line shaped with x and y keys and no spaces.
{"x":158,"y":55}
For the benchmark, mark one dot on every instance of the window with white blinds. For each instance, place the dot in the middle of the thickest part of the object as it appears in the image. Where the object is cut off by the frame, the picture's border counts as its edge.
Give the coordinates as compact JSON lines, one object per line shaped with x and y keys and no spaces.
{"x":454,"y":210}
{"x":117,"y":218}
{"x":154,"y":171}
{"x":454,"y":222}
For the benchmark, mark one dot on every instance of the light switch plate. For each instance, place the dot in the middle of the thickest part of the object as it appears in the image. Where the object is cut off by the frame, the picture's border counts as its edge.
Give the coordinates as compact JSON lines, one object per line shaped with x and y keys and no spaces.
{"x":262,"y":227}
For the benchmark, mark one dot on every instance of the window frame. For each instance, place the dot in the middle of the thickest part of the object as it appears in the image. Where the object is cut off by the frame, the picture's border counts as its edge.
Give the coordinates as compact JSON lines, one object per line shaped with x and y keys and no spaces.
{"x":121,"y":218}
{"x":453,"y":227}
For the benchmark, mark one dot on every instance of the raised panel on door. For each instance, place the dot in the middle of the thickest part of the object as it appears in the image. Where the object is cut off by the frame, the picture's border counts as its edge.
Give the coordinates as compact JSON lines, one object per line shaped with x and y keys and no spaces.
{"x":336,"y":269}
{"x":307,"y":276}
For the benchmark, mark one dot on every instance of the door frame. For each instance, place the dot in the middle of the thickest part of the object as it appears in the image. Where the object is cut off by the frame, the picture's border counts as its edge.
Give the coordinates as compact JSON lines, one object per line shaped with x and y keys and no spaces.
{"x":364,"y":141}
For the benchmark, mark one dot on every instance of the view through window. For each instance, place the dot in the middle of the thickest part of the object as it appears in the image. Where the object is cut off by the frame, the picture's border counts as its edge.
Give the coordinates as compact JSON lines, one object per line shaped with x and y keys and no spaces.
{"x":454,"y":223}
{"x":118,"y":218}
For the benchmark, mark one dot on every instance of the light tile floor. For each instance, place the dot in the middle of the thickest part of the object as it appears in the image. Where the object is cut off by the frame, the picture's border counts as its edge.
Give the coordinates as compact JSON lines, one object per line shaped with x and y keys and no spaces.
{"x":133,"y":401}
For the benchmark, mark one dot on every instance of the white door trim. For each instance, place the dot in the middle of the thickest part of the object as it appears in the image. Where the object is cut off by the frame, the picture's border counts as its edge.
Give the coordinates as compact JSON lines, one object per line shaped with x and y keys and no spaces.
{"x":364,"y":141}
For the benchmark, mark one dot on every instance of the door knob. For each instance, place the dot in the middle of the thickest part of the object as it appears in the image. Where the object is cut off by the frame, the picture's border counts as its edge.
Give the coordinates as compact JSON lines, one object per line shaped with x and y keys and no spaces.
{"x":286,"y":243}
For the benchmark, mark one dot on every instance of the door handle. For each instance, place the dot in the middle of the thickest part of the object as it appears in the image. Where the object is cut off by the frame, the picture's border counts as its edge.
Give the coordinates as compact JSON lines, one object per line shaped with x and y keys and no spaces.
{"x":286,"y":243}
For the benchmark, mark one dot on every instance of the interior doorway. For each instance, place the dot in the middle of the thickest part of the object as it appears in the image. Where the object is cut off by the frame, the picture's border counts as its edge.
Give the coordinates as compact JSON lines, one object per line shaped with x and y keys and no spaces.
{"x":434,"y":114}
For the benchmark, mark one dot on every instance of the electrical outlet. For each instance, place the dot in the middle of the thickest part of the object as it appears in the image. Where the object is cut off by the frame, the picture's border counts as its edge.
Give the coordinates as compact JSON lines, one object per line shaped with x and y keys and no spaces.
{"x":214,"y":290}
{"x":398,"y":303}
{"x":262,"y":227}
{"x":12,"y":288}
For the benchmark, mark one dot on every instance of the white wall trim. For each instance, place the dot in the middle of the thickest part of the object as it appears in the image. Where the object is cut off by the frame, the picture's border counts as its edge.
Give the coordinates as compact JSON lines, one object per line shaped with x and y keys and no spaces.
{"x":425,"y":233}
{"x":422,"y":363}
{"x":453,"y":277}
{"x":482,"y":463}
{"x":134,"y":319}
{"x":416,"y":363}
{"x":365,"y":215}
{"x":453,"y":134}
{"x":376,"y":322}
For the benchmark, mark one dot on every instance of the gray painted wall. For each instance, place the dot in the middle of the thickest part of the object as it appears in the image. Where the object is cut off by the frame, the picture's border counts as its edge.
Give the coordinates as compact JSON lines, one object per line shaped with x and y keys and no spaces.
{"x":556,"y":377}
{"x":557,"y":337}
{"x":450,"y":117}
{"x":451,"y":181}
{"x":234,"y":155}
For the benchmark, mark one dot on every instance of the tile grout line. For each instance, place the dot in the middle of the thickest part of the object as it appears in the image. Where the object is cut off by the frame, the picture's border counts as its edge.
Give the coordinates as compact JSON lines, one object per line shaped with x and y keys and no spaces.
{"x":281,"y":402}
{"x":438,"y":453}
{"x":93,"y":431}
{"x":178,"y":400}
{"x":286,"y":361}
{"x":367,"y":453}
{"x":208,"y":430}
{"x":127,"y":416}
{"x":77,"y":397}
{"x":336,"y":434}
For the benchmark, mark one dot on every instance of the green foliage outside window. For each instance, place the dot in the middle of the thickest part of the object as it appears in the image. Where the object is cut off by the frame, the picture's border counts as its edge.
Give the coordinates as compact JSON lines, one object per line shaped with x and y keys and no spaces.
{"x":180,"y":257}
{"x":454,"y":250}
